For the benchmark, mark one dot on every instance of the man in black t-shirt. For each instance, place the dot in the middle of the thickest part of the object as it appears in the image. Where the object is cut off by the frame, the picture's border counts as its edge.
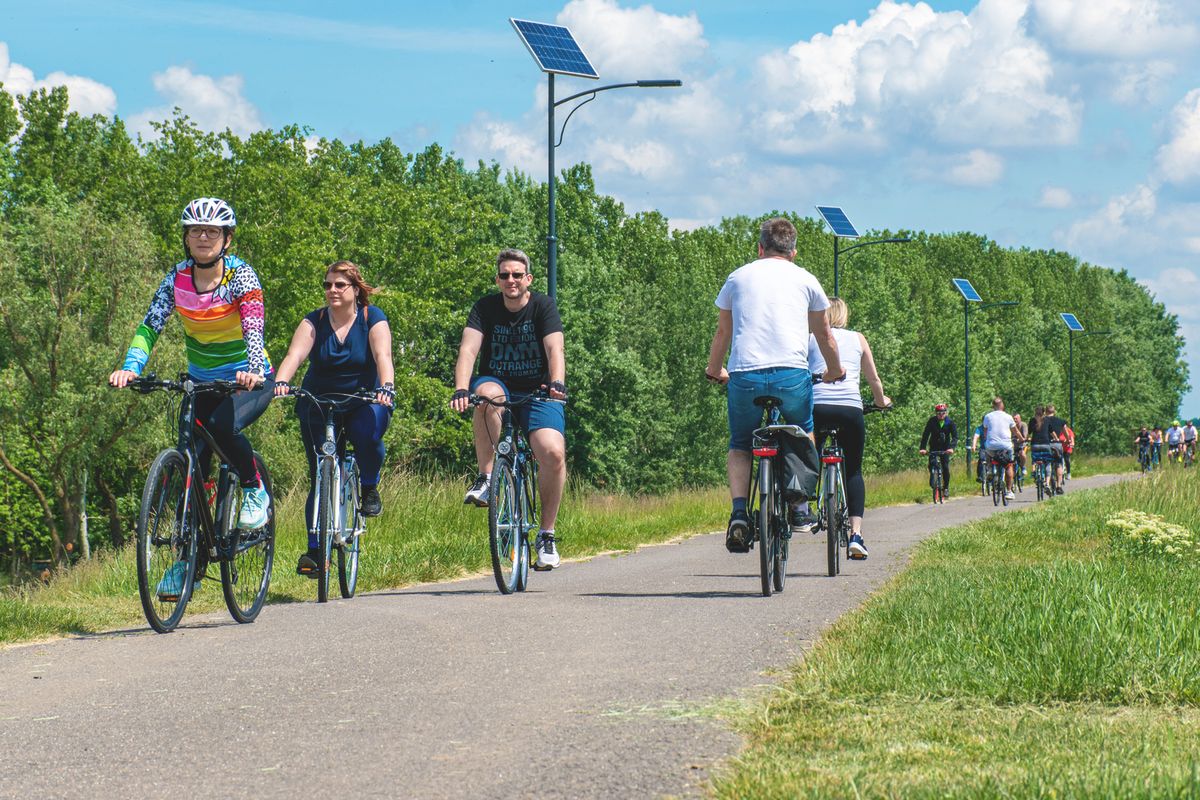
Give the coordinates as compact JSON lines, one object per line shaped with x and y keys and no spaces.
{"x":517,"y":337}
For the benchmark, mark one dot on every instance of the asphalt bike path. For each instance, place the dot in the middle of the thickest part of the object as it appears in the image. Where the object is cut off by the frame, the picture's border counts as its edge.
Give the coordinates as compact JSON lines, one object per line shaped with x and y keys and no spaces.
{"x":597,"y":682}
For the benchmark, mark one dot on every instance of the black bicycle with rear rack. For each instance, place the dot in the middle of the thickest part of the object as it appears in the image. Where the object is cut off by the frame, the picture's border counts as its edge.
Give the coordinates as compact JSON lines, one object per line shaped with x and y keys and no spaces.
{"x":338,"y":521}
{"x":179,"y":524}
{"x":833,"y":513}
{"x":767,"y":508}
{"x":512,"y":495}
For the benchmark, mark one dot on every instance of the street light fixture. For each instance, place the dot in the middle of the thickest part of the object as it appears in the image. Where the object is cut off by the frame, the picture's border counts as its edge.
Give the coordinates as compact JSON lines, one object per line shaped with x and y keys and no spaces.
{"x":556,"y":52}
{"x":969,"y":296}
{"x":1074,"y":326}
{"x":841,"y":226}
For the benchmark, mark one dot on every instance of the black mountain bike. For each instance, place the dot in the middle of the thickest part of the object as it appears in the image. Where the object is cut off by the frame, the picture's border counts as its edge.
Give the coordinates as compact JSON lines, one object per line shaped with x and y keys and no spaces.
{"x":180,"y":522}
{"x":512,"y":497}
{"x":338,"y":521}
{"x":937,"y":478}
{"x":995,"y":471}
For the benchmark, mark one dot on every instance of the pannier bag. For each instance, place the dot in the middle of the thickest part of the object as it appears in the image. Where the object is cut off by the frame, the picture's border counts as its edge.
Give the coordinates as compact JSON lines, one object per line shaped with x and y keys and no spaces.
{"x":800,"y":464}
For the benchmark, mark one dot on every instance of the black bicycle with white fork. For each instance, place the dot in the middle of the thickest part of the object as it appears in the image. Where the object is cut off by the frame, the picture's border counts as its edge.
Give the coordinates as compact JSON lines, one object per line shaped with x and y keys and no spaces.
{"x":337,"y":518}
{"x":181,"y":528}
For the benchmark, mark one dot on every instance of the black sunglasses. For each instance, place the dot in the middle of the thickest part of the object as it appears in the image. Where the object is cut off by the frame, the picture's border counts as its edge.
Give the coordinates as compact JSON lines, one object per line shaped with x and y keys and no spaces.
{"x":515,"y":275}
{"x":339,"y":285}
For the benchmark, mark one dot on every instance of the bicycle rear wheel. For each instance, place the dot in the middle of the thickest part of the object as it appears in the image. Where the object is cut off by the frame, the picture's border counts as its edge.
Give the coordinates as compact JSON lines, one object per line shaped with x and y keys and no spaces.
{"x":326,"y":524}
{"x":504,"y":528}
{"x":353,"y":526}
{"x":833,"y":523}
{"x":168,"y":528}
{"x":766,"y":525}
{"x":780,"y":540}
{"x":246,"y":573}
{"x":529,"y":522}
{"x":997,"y":486}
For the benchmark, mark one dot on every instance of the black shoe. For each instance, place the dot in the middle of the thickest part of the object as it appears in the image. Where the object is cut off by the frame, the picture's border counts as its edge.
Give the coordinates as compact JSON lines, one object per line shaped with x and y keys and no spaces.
{"x":372,"y":506}
{"x":801,"y":519}
{"x":1058,"y":490}
{"x":309,"y":564}
{"x":737,"y":535}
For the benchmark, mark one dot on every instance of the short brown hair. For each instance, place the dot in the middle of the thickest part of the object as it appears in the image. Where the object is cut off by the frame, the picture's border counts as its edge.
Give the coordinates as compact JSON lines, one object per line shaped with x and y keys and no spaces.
{"x":354,"y":275}
{"x":512,"y":254}
{"x":777,"y":235}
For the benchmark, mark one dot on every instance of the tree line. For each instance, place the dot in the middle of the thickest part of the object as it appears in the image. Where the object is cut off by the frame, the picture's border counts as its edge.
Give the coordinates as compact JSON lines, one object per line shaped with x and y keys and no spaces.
{"x":89,"y":225}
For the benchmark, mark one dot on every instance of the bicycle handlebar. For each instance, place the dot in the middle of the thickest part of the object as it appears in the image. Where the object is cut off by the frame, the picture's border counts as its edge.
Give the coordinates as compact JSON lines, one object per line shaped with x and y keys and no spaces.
{"x":150,"y":382}
{"x":333,"y":399}
{"x":539,"y":394}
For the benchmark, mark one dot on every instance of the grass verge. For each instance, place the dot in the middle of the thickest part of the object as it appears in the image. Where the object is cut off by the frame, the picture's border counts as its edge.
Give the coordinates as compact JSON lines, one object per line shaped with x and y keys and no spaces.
{"x":1026,"y":655}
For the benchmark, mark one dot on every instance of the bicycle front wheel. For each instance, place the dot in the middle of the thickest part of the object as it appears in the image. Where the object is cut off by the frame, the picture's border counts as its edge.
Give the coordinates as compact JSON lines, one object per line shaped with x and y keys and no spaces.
{"x":246,"y":572}
{"x":353,"y":526}
{"x":167,"y":536}
{"x":326,"y":525}
{"x":505,"y":528}
{"x":529,"y":522}
{"x":766,"y":525}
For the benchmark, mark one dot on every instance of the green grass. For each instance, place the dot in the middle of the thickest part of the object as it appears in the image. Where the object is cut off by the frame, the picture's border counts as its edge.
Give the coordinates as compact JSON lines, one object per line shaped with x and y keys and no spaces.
{"x":424,"y":534}
{"x":1019,"y":656}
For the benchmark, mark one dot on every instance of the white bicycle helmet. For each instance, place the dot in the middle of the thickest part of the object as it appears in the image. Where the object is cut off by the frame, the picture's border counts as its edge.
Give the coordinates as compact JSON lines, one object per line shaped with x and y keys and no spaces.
{"x":208,"y":211}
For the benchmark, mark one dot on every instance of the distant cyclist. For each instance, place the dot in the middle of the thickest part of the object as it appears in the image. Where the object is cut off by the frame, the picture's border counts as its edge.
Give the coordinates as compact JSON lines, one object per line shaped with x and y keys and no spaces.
{"x":220,"y":303}
{"x":939,"y":439}
{"x":767,"y":310}
{"x":976,"y":438}
{"x":839,"y":406}
{"x":1143,"y":440}
{"x":1047,"y":436}
{"x":1020,"y":441}
{"x":520,"y":335}
{"x":1189,"y":437}
{"x":1068,"y":448}
{"x":1174,"y":440}
{"x":1156,"y":442}
{"x":998,"y":431}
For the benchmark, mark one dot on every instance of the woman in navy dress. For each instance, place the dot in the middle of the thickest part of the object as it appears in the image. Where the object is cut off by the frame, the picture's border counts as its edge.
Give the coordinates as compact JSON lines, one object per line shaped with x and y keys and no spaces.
{"x":348,"y":345}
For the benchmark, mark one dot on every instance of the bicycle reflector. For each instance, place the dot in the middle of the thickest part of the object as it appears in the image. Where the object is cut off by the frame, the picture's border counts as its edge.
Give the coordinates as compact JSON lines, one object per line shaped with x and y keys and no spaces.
{"x":766,"y":451}
{"x":831,"y":459}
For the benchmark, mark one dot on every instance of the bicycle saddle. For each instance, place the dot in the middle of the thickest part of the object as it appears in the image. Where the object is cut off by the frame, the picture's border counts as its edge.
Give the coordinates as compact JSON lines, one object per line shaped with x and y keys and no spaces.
{"x":767,"y":401}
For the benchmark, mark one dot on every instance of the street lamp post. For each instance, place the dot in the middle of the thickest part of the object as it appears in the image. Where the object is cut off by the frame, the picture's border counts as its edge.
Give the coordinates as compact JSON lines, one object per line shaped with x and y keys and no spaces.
{"x":836,"y":251}
{"x":1074,"y":327}
{"x":969,"y":296}
{"x":551,"y":145}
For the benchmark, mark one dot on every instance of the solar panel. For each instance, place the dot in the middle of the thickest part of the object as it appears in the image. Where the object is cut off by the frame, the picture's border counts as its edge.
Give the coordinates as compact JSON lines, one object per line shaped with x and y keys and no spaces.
{"x":1072,"y":323}
{"x":554,"y":48}
{"x":968,"y":291}
{"x":838,"y":222}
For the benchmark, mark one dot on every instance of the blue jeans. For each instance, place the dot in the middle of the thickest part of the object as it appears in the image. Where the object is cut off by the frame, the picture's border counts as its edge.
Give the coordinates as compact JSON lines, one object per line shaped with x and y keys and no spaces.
{"x":791,"y":385}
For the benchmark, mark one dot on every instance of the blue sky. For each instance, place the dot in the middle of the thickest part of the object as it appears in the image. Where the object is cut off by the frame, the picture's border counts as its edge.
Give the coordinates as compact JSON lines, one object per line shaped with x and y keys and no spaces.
{"x":1071,"y":124}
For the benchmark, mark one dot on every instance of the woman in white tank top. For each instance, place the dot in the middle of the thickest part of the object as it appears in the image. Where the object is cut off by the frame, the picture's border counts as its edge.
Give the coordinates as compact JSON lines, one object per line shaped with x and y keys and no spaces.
{"x":839,"y":405}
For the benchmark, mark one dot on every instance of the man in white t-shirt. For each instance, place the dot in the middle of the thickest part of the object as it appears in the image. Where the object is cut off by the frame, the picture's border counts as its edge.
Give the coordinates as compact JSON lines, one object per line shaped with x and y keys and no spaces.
{"x":998,"y":431}
{"x":767,"y":309}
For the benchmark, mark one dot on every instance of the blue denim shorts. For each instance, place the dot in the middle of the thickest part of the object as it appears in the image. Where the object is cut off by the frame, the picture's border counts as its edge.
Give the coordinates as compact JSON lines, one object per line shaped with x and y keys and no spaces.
{"x":534,"y":415}
{"x":791,"y":385}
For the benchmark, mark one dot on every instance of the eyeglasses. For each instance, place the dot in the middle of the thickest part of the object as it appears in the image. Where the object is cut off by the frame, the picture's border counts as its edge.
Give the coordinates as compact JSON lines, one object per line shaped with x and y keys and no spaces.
{"x":339,"y":285}
{"x":204,"y":233}
{"x":516,"y":276}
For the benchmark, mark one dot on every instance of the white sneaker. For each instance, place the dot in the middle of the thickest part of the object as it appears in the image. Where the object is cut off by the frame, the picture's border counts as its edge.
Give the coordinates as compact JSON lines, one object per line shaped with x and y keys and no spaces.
{"x":478,"y":493}
{"x":255,"y":502}
{"x":1009,"y":496}
{"x":547,"y":553}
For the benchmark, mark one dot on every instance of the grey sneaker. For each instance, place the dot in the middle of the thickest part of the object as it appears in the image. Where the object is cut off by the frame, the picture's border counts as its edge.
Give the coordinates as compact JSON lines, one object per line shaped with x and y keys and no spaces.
{"x":547,"y":553}
{"x":801,"y":520}
{"x":737,"y":535}
{"x":478,"y":493}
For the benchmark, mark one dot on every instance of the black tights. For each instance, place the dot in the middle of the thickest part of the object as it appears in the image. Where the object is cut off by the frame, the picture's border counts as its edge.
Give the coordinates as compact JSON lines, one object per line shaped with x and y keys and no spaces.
{"x":852,"y":436}
{"x":225,"y":417}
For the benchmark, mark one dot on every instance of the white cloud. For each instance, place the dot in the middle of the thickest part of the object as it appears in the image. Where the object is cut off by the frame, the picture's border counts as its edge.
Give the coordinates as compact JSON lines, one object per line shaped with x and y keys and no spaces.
{"x":1179,"y":159}
{"x":632,"y":43}
{"x":1112,"y":227}
{"x":976,"y":79}
{"x":213,"y":104}
{"x":1140,"y":83}
{"x":1114,"y":28}
{"x":506,"y":142}
{"x":85,"y":96}
{"x":976,"y":168}
{"x":1055,"y":197}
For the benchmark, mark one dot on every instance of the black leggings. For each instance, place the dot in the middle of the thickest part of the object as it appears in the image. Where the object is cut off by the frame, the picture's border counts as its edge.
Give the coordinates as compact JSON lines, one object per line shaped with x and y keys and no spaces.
{"x":852,"y":436}
{"x":225,"y":417}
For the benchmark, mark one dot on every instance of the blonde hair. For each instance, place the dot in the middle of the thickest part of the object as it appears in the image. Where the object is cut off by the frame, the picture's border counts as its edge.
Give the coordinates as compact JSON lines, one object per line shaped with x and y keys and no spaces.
{"x":838,"y":313}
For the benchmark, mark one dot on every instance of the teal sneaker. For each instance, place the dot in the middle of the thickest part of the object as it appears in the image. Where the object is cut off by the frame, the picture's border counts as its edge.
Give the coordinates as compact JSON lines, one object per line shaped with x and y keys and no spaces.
{"x":255,"y":502}
{"x":171,"y":586}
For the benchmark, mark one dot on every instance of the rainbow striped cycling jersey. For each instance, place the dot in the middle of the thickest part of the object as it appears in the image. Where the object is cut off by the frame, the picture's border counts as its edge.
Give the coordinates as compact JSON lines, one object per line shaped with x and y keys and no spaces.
{"x":223,"y":328}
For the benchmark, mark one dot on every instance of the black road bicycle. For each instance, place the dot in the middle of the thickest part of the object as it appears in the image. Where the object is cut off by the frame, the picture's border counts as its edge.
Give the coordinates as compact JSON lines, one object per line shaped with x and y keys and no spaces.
{"x":512,"y":496}
{"x":767,"y":509}
{"x":338,"y":521}
{"x":833,"y":515}
{"x":937,"y":478}
{"x":180,"y":523}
